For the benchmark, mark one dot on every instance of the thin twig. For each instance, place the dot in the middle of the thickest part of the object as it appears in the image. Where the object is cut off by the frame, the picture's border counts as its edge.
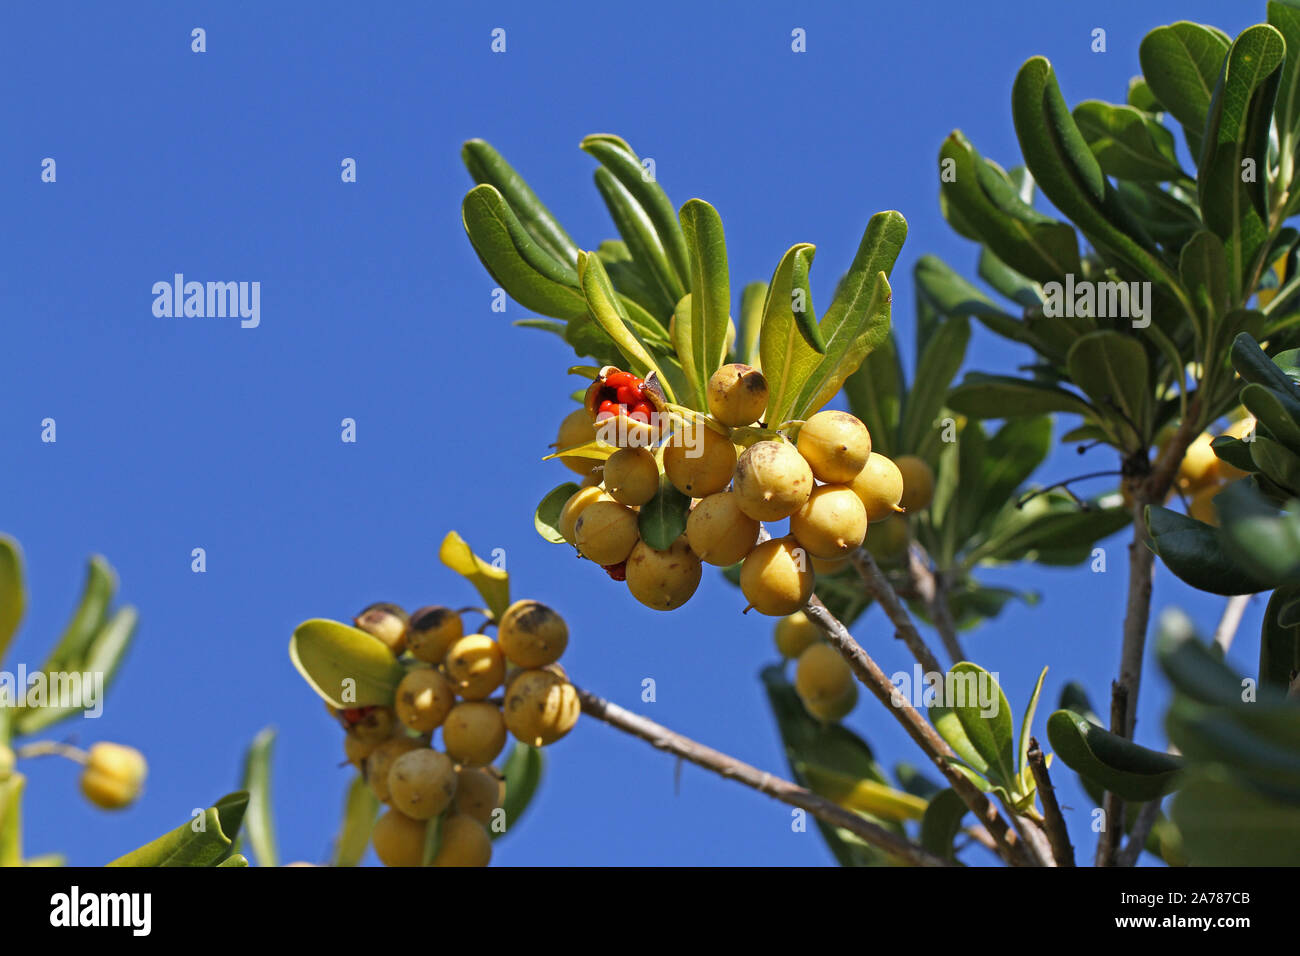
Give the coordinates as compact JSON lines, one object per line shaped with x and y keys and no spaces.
{"x":1053,"y":820}
{"x":1009,"y":845}
{"x":932,"y":588}
{"x":1137,"y":838}
{"x":881,"y":590}
{"x":724,"y":765}
{"x":1233,"y":610}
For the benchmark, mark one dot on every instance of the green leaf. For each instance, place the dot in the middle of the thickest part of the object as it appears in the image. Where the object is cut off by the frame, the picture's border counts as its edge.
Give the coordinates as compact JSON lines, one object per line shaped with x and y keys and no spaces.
{"x":607,"y":308}
{"x":1223,"y":823}
{"x":875,"y":394}
{"x":534,"y":278}
{"x":935,"y":370}
{"x":1141,"y":96}
{"x":1111,"y":369}
{"x":1278,"y":462}
{"x":89,"y":618}
{"x":751,"y":322}
{"x":329,"y":655}
{"x":1019,"y":288}
{"x":1033,"y":244}
{"x":1254,"y":366}
{"x":547,"y":517}
{"x":1114,"y":763}
{"x":1269,"y":761}
{"x":1003,"y":396}
{"x":13,"y":594}
{"x":11,"y":820}
{"x":1262,"y":540}
{"x":1284,"y":15}
{"x":260,"y":818}
{"x":662,"y":519}
{"x":1046,"y":525}
{"x":942,"y":823}
{"x":701,"y":340}
{"x":1181,"y":63}
{"x":863,"y":795}
{"x":1278,"y":411}
{"x":617,"y":156}
{"x":1195,"y":553}
{"x":1009,"y":458}
{"x":488,"y":166}
{"x":1195,"y":671}
{"x":491,"y":582}
{"x":646,"y":251}
{"x":360,"y":809}
{"x":787,"y":360}
{"x":986,"y":741}
{"x":1203,"y":266}
{"x":1027,"y":729}
{"x":523,"y":774}
{"x":1128,"y":143}
{"x":1279,"y":643}
{"x":203,"y":841}
{"x":432,"y":839}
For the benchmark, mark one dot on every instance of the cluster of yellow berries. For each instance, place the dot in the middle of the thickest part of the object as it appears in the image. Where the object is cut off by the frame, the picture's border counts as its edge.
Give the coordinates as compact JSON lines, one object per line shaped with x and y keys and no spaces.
{"x":822,"y":678}
{"x":827,"y":482}
{"x":1202,"y":474}
{"x":450,"y":686}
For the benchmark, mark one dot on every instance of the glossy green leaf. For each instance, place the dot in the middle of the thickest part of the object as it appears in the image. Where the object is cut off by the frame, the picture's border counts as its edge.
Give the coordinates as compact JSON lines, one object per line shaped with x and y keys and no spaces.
{"x":645,"y":250}
{"x":1279,"y":642}
{"x":523,"y":774}
{"x":751,"y":322}
{"x":1006,"y":280}
{"x":1009,"y":458}
{"x":915,"y":782}
{"x":203,"y":841}
{"x":1195,"y":552}
{"x":360,"y":809}
{"x":1165,"y":214}
{"x":1284,"y":16}
{"x":1113,"y":762}
{"x":1047,"y":524}
{"x":1196,"y":671}
{"x":701,"y":340}
{"x":875,"y":395}
{"x":1128,"y":143}
{"x":491,"y":582}
{"x":863,"y":795}
{"x":978,"y":726}
{"x":609,"y":312}
{"x":1180,"y":63}
{"x":1278,"y":462}
{"x":1223,"y":823}
{"x":1203,"y":266}
{"x":345,"y":665}
{"x":1277,"y":411}
{"x":1268,"y":761}
{"x":259,"y":821}
{"x":935,"y":370}
{"x":1111,"y":368}
{"x":532,"y":276}
{"x":87,"y":620}
{"x":1262,"y":539}
{"x":546,"y":519}
{"x":1004,"y":396}
{"x":488,"y":166}
{"x":662,"y":519}
{"x":787,"y":360}
{"x":1033,"y":244}
{"x":1141,"y":96}
{"x":1253,"y":365}
{"x":1027,"y":725}
{"x":13,"y":593}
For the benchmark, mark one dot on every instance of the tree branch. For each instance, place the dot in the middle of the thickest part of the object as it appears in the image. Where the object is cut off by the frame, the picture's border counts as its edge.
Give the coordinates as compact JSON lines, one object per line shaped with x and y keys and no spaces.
{"x":884,"y":594}
{"x":1053,"y":820}
{"x":729,"y":767}
{"x":1137,"y":838}
{"x":1233,"y":610}
{"x":932,"y":588}
{"x":1009,"y":845}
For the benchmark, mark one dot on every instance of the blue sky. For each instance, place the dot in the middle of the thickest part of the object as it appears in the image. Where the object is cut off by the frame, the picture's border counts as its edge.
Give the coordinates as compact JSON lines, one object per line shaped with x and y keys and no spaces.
{"x":182,"y":433}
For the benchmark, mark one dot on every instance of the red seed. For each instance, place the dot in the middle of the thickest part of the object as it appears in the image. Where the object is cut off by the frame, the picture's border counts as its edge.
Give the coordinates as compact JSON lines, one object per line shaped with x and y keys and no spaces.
{"x":608,"y":406}
{"x":617,"y":571}
{"x":629,"y":396}
{"x":619,"y":379}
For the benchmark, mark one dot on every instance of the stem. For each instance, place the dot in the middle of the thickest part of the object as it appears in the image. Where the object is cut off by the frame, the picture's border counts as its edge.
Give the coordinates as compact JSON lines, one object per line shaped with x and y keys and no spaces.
{"x":1009,"y":845}
{"x":1053,"y":820}
{"x":880,"y":589}
{"x":662,"y":738}
{"x":1137,"y":838}
{"x":932,"y":588}
{"x":1230,"y":621}
{"x":52,"y":748}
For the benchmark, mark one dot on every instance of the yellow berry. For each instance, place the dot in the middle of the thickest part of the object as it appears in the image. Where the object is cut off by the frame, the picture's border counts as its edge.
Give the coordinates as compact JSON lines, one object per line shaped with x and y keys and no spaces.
{"x":832,"y":710}
{"x":918,"y":482}
{"x":357,"y":750}
{"x":1201,"y":507}
{"x":577,"y":429}
{"x":663,"y":580}
{"x":831,"y":523}
{"x":880,"y":487}
{"x":698,"y":461}
{"x":795,"y":633}
{"x":398,"y":840}
{"x":475,"y":666}
{"x":479,"y":792}
{"x":632,"y":476}
{"x":719,"y":532}
{"x":822,"y":677}
{"x":737,"y":394}
{"x":835,"y":444}
{"x":606,"y":532}
{"x":575,"y":506}
{"x":431,"y":631}
{"x":421,"y":783}
{"x":532,"y":635}
{"x":474,"y":733}
{"x":777,"y":578}
{"x":540,"y":707}
{"x":113,"y":775}
{"x":386,"y":622}
{"x":381,"y":761}
{"x":772,"y":481}
{"x":423,"y":699}
{"x":1200,"y":465}
{"x":463,"y":842}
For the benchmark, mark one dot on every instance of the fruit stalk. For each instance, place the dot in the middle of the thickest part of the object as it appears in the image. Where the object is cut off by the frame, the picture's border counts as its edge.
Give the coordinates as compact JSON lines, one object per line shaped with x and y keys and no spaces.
{"x":1053,"y":822}
{"x":1009,"y":845}
{"x":661,"y":738}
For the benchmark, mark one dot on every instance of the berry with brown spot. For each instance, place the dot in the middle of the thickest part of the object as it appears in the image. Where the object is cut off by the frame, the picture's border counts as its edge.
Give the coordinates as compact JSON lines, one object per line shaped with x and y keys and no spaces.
{"x":719,"y":532}
{"x":663,"y":580}
{"x":421,"y":783}
{"x":699,"y":461}
{"x":423,"y":699}
{"x":532,"y":634}
{"x":772,"y":481}
{"x":431,"y":631}
{"x":474,"y":733}
{"x":606,"y":532}
{"x":475,"y":666}
{"x":386,"y":622}
{"x":540,"y":707}
{"x":737,"y":394}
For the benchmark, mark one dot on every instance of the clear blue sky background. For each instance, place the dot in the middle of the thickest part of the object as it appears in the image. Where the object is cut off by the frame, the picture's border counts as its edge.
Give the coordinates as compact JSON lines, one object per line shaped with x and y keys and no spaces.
{"x":176,"y":434}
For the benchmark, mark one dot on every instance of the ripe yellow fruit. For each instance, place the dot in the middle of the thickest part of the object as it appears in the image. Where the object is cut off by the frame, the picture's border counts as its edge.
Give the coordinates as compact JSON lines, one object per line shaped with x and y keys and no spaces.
{"x":421,"y":783}
{"x":835,"y":444}
{"x":1201,"y":507}
{"x":577,"y":429}
{"x":737,"y":394}
{"x":479,"y":791}
{"x":888,"y":539}
{"x":575,"y":506}
{"x":377,"y":725}
{"x":355,"y":749}
{"x":541,"y":707}
{"x":772,"y":481}
{"x":606,"y":532}
{"x":1240,"y":430}
{"x":532,"y":635}
{"x":832,"y":522}
{"x":831,"y":711}
{"x":880,"y":486}
{"x":1200,"y":465}
{"x":822,"y":678}
{"x":386,"y":622}
{"x":113,"y":775}
{"x":431,"y":631}
{"x":719,"y":532}
{"x":918,"y":482}
{"x":795,"y":633}
{"x":777,"y":577}
{"x":464,"y":842}
{"x":698,"y":461}
{"x":398,"y":840}
{"x":423,"y":699}
{"x":475,"y":666}
{"x":381,"y":761}
{"x":663,"y":580}
{"x":474,"y":733}
{"x":632,"y":476}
